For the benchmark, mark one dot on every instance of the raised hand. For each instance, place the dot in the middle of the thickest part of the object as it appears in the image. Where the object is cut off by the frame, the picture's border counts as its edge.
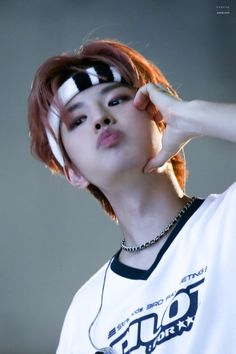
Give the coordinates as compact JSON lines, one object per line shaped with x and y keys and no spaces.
{"x":174,"y":112}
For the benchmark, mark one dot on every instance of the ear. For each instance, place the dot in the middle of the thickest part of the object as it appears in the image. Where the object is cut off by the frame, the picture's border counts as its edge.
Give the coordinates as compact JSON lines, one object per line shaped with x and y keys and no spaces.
{"x":75,"y":178}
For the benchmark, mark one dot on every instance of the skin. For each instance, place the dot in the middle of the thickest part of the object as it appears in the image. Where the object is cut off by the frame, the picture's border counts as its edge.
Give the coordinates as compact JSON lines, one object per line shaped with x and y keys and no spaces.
{"x":144,"y":202}
{"x":139,"y":136}
{"x":186,"y":120}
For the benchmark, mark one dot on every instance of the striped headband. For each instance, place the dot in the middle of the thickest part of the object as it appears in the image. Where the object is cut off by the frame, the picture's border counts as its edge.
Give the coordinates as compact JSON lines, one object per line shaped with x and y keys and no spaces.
{"x":98,"y":74}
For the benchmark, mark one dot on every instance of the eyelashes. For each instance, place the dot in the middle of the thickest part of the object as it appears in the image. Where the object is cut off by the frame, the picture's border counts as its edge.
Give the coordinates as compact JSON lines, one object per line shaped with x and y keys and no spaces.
{"x":76,"y":122}
{"x":81,"y":119}
{"x":118,"y":100}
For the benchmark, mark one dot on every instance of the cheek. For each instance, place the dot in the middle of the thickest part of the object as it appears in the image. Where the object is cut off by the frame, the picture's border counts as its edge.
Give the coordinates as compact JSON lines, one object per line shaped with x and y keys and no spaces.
{"x":75,"y":147}
{"x":144,"y":129}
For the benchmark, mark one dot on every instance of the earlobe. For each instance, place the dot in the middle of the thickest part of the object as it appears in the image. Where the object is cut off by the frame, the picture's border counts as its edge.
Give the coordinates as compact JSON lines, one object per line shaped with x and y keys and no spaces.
{"x":75,"y":178}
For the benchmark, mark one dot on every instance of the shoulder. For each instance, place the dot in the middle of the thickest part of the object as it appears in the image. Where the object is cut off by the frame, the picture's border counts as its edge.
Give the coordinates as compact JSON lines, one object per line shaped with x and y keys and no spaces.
{"x":216,"y":212}
{"x":89,"y":291}
{"x":214,"y":220}
{"x":87,"y":296}
{"x":225,"y":201}
{"x":82,"y":308}
{"x":91,"y":284}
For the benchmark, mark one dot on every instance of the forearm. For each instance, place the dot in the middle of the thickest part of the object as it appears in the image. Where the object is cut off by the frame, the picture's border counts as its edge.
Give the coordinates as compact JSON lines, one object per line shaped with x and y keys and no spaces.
{"x":211,"y":119}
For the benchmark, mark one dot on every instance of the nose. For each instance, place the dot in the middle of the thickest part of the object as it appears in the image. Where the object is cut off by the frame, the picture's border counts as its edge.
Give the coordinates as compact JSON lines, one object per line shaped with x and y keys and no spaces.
{"x":103,"y":122}
{"x":101,"y":116}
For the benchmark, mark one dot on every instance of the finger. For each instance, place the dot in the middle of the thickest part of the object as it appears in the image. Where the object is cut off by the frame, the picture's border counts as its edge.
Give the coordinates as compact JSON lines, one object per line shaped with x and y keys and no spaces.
{"x":151,"y":92}
{"x":158,"y":116}
{"x":166,"y":89}
{"x":141,"y":101}
{"x":158,"y":161}
{"x":151,"y":108}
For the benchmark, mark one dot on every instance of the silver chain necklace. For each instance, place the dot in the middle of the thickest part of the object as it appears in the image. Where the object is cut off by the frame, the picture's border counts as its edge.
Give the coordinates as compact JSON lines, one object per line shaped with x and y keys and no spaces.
{"x":157,"y":238}
{"x":109,"y":350}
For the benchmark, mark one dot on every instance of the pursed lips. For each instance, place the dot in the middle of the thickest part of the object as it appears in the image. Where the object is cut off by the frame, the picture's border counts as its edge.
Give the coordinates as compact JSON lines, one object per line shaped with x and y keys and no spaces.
{"x":108,"y":137}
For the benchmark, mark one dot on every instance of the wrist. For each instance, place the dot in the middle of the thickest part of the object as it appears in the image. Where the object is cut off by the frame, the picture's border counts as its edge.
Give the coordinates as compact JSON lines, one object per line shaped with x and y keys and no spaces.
{"x":185,"y":117}
{"x":193,"y":118}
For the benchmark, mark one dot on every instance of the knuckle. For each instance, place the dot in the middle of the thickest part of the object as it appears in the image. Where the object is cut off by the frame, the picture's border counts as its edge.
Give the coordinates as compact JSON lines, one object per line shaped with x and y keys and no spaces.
{"x":150,"y":85}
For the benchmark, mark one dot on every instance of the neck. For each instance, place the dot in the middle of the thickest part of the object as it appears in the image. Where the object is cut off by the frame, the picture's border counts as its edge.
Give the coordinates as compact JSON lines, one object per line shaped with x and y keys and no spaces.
{"x":145,"y":206}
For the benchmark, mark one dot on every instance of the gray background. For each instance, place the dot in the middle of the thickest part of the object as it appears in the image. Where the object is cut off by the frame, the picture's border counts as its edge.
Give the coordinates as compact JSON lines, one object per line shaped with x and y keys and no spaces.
{"x":52,"y":236}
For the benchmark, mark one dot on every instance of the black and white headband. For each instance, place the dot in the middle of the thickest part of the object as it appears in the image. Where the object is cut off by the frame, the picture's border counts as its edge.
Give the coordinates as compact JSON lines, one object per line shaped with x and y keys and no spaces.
{"x":97,"y":74}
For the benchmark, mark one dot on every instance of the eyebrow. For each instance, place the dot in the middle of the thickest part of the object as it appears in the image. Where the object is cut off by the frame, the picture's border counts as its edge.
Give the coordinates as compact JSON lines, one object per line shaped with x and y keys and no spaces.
{"x":103,"y":91}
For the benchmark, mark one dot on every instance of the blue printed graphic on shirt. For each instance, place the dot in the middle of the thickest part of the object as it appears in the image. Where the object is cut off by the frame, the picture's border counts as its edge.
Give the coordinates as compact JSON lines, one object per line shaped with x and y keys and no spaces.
{"x":152,"y":329}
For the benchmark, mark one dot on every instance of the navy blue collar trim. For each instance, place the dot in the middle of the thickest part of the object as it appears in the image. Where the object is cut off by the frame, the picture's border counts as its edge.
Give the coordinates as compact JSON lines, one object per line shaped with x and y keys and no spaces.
{"x":139,"y":274}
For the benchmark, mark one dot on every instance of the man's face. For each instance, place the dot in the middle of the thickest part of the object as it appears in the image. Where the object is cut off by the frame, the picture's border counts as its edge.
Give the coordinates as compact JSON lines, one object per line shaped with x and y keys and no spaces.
{"x":107,"y":137}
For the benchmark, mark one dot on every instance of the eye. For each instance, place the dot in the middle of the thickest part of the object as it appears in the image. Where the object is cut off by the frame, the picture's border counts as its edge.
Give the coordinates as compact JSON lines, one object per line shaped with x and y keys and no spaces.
{"x":77,"y":122}
{"x":118,"y":100}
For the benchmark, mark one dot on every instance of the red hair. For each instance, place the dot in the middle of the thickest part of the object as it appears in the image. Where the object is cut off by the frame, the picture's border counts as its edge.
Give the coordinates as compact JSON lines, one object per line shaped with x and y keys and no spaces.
{"x":134,"y":68}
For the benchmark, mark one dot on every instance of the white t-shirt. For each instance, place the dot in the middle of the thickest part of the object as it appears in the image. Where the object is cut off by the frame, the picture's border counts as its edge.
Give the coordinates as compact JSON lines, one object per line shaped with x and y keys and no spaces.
{"x":184,"y":304}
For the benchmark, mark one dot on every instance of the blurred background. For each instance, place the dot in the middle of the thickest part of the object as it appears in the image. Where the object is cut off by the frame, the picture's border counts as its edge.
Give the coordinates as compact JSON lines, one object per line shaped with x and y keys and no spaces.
{"x":53,"y":237}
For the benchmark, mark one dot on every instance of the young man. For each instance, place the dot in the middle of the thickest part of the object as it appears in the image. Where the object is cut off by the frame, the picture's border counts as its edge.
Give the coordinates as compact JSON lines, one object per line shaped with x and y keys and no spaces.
{"x":108,"y":120}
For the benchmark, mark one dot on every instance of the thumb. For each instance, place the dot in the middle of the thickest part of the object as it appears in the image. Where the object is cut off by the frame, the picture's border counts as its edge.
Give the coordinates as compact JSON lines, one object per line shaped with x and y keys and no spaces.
{"x":157,"y":161}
